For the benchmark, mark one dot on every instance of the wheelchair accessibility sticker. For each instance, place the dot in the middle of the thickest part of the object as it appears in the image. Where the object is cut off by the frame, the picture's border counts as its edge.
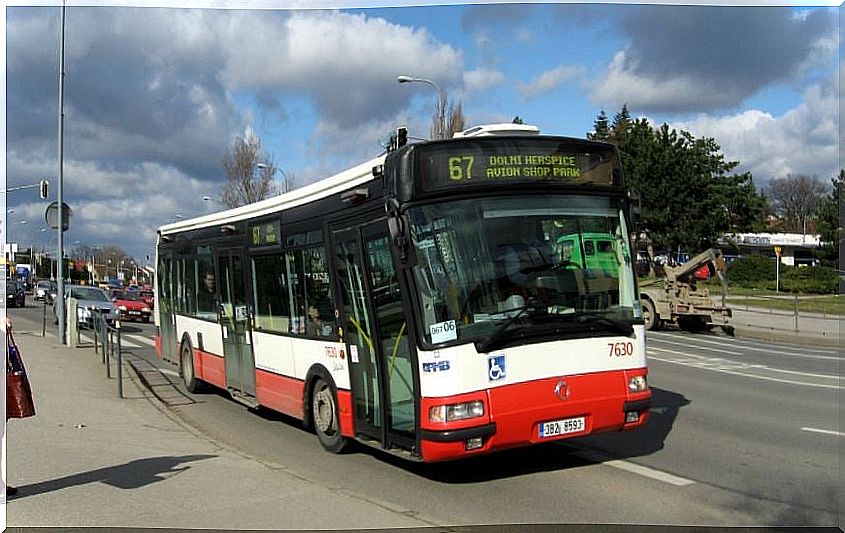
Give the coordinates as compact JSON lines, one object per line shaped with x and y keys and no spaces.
{"x":496,"y":367}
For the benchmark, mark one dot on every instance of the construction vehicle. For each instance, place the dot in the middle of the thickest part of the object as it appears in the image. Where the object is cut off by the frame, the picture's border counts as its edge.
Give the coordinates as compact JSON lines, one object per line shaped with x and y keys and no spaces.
{"x":675,"y":298}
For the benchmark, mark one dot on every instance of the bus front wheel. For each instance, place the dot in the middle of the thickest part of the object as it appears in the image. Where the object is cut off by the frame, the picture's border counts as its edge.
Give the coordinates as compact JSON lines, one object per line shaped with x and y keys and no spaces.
{"x":325,"y":416}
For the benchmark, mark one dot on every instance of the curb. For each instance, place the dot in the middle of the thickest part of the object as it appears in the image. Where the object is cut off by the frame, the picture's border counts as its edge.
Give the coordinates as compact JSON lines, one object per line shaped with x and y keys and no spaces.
{"x":748,"y":331}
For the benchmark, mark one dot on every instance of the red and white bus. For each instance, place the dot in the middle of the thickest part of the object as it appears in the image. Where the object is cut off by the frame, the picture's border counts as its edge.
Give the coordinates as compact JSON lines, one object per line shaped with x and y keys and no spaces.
{"x":420,"y":302}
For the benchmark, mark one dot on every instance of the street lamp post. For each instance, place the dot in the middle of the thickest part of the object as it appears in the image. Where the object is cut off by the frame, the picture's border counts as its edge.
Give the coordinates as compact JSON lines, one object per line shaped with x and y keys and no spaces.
{"x":441,"y":103}
{"x":275,"y":169}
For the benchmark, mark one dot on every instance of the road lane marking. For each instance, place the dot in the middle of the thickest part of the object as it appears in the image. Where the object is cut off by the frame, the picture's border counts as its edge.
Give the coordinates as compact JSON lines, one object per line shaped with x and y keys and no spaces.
{"x":747,"y":346}
{"x":825,"y":431}
{"x":633,"y":468}
{"x":764,"y":378}
{"x":728,"y":364}
{"x":143,"y":340}
{"x":687,"y":345}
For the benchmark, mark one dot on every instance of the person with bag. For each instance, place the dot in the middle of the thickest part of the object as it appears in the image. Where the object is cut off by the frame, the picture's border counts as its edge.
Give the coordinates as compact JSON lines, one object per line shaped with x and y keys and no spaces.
{"x":19,"y":402}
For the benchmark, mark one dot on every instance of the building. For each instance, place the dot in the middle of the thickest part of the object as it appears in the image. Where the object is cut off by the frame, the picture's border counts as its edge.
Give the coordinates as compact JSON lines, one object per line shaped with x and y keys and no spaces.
{"x":795,"y":249}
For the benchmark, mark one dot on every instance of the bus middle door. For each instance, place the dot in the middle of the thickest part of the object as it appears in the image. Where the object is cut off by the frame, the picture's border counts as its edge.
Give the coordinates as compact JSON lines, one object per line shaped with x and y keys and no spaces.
{"x":235,"y":319}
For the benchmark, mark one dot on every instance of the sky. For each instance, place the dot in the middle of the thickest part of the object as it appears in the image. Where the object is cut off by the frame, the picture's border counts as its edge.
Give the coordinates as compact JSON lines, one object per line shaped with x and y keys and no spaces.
{"x":154,"y":96}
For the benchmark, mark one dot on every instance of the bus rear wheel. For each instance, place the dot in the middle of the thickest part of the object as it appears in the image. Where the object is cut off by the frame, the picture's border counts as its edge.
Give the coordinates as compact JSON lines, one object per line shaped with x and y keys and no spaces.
{"x":325,"y":416}
{"x":188,"y":375}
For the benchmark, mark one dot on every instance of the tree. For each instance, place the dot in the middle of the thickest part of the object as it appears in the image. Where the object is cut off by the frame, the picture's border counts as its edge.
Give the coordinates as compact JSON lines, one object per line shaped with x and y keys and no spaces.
{"x":249,"y":175}
{"x":601,"y":128}
{"x":452,"y":115}
{"x":689,"y":197}
{"x":830,"y":221}
{"x":796,"y":200}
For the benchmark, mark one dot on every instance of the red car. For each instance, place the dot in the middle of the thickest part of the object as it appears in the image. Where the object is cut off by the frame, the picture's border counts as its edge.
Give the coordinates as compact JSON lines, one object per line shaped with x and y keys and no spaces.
{"x":130,"y":305}
{"x":148,"y":297}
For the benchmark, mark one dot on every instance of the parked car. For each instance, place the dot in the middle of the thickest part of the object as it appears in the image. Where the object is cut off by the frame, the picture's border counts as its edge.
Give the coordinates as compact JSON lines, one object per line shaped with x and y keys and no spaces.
{"x":15,"y":293}
{"x":130,"y":305}
{"x":89,"y":300}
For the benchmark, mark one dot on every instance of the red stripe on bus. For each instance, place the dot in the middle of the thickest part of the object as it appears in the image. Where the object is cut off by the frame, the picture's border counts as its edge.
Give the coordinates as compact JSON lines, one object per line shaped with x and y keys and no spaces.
{"x":280,"y":393}
{"x":518,"y":410}
{"x":344,"y":405}
{"x":210,"y":368}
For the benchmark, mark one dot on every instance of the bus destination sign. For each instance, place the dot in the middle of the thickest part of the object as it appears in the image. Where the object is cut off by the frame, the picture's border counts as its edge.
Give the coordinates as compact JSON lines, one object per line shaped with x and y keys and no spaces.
{"x":265,"y":234}
{"x":517,"y":162}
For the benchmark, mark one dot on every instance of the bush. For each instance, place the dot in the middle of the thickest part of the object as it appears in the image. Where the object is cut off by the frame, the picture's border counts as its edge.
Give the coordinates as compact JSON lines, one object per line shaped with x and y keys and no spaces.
{"x":753,"y":271}
{"x":813,"y":280}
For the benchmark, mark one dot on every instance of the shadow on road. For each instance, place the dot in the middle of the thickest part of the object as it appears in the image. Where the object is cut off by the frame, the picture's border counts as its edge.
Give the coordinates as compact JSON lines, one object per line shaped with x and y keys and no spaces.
{"x":561,"y":455}
{"x":132,"y":475}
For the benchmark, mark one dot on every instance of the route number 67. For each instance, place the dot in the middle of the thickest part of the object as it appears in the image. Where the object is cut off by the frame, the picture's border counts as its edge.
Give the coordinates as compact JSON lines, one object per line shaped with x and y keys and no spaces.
{"x":460,"y":168}
{"x":620,"y":349}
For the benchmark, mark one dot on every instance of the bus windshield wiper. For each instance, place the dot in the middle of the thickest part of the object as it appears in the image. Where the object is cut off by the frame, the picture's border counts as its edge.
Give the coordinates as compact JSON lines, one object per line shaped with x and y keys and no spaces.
{"x":499,"y":333}
{"x":597,"y":318}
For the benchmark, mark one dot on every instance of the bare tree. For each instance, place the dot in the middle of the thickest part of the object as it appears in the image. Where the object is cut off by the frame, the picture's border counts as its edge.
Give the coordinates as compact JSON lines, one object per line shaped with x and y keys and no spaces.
{"x":249,"y":176}
{"x":452,"y":116}
{"x":796,"y":200}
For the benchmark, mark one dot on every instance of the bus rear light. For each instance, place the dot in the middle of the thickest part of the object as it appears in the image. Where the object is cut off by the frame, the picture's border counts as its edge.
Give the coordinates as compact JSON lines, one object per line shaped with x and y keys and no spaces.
{"x":457,"y":411}
{"x":637,"y":384}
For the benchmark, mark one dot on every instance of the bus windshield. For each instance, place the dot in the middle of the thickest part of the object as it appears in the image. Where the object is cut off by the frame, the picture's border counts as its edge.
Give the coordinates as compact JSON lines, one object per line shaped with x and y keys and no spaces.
{"x":485,"y":262}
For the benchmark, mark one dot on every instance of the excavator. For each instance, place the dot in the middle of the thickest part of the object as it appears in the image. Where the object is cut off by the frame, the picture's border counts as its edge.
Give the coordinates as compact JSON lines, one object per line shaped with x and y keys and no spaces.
{"x":674,"y":297}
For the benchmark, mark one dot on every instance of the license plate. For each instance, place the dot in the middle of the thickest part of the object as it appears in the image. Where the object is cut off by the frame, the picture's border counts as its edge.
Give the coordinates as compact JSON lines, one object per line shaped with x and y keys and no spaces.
{"x":562,"y":427}
{"x":134,"y":312}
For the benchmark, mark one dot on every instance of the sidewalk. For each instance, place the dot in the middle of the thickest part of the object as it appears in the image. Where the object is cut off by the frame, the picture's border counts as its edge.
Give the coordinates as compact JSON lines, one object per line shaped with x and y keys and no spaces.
{"x":91,"y":459}
{"x":809,"y":329}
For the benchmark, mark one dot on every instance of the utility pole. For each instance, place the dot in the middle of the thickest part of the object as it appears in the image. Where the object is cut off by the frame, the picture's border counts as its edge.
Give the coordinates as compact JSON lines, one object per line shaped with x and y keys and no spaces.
{"x":60,"y":297}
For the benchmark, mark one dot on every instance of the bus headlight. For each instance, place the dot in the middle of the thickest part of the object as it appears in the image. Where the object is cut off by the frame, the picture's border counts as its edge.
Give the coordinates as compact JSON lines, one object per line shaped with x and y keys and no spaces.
{"x":457,"y":411}
{"x":637,"y":384}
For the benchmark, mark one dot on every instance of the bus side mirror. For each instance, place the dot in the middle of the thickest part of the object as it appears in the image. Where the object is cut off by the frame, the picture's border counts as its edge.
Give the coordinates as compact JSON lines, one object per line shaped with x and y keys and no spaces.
{"x":400,"y":235}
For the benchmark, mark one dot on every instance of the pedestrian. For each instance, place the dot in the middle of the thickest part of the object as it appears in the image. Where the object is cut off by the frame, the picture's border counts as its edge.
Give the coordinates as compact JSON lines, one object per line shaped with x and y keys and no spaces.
{"x":19,"y":402}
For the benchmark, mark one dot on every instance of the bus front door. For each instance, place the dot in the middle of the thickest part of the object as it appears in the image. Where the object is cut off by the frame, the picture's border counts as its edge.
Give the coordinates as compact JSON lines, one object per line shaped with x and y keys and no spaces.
{"x":376,"y":333}
{"x":235,"y":319}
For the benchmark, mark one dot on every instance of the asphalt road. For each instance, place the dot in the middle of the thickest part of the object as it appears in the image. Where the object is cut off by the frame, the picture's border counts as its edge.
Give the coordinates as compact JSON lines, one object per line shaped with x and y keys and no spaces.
{"x":742,"y":433}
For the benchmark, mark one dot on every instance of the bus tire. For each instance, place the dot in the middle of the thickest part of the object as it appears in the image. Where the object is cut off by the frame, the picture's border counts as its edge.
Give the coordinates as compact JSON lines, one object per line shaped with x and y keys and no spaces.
{"x":189,"y":377}
{"x":650,"y":318}
{"x":324,"y":415}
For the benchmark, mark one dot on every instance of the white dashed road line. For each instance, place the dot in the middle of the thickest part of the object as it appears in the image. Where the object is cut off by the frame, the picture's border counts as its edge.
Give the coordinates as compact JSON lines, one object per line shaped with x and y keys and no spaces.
{"x":825,"y":431}
{"x":640,"y":470}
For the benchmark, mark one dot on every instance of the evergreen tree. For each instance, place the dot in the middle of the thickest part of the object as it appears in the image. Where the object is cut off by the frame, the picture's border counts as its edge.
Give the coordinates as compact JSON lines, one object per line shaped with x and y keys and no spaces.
{"x":621,"y":125}
{"x":601,"y":128}
{"x":830,"y":220}
{"x":689,"y":196}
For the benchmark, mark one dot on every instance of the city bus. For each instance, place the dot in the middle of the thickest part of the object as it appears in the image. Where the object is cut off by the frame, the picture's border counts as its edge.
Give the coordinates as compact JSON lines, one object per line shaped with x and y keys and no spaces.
{"x":405,"y":303}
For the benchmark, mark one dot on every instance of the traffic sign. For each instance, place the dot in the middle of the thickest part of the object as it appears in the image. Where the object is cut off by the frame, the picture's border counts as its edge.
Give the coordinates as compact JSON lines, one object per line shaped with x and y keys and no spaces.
{"x":777,"y":250}
{"x":52,"y":215}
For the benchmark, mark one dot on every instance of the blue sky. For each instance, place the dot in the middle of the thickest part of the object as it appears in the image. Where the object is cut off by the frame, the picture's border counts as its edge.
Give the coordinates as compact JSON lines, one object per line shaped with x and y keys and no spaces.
{"x":154,"y":96}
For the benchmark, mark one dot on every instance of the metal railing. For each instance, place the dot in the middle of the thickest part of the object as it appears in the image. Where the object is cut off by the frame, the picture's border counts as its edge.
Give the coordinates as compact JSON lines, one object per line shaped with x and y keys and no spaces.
{"x":107,"y":339}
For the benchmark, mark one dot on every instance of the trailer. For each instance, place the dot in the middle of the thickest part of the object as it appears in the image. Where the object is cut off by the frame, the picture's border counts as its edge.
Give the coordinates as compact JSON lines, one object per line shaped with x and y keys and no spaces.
{"x":674,"y":297}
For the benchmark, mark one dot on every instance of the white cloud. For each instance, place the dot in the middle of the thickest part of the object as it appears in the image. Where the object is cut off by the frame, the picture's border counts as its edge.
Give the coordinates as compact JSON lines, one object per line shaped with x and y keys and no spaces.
{"x":482,"y":79}
{"x":549,"y":80}
{"x":803,"y":140}
{"x":623,"y":84}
